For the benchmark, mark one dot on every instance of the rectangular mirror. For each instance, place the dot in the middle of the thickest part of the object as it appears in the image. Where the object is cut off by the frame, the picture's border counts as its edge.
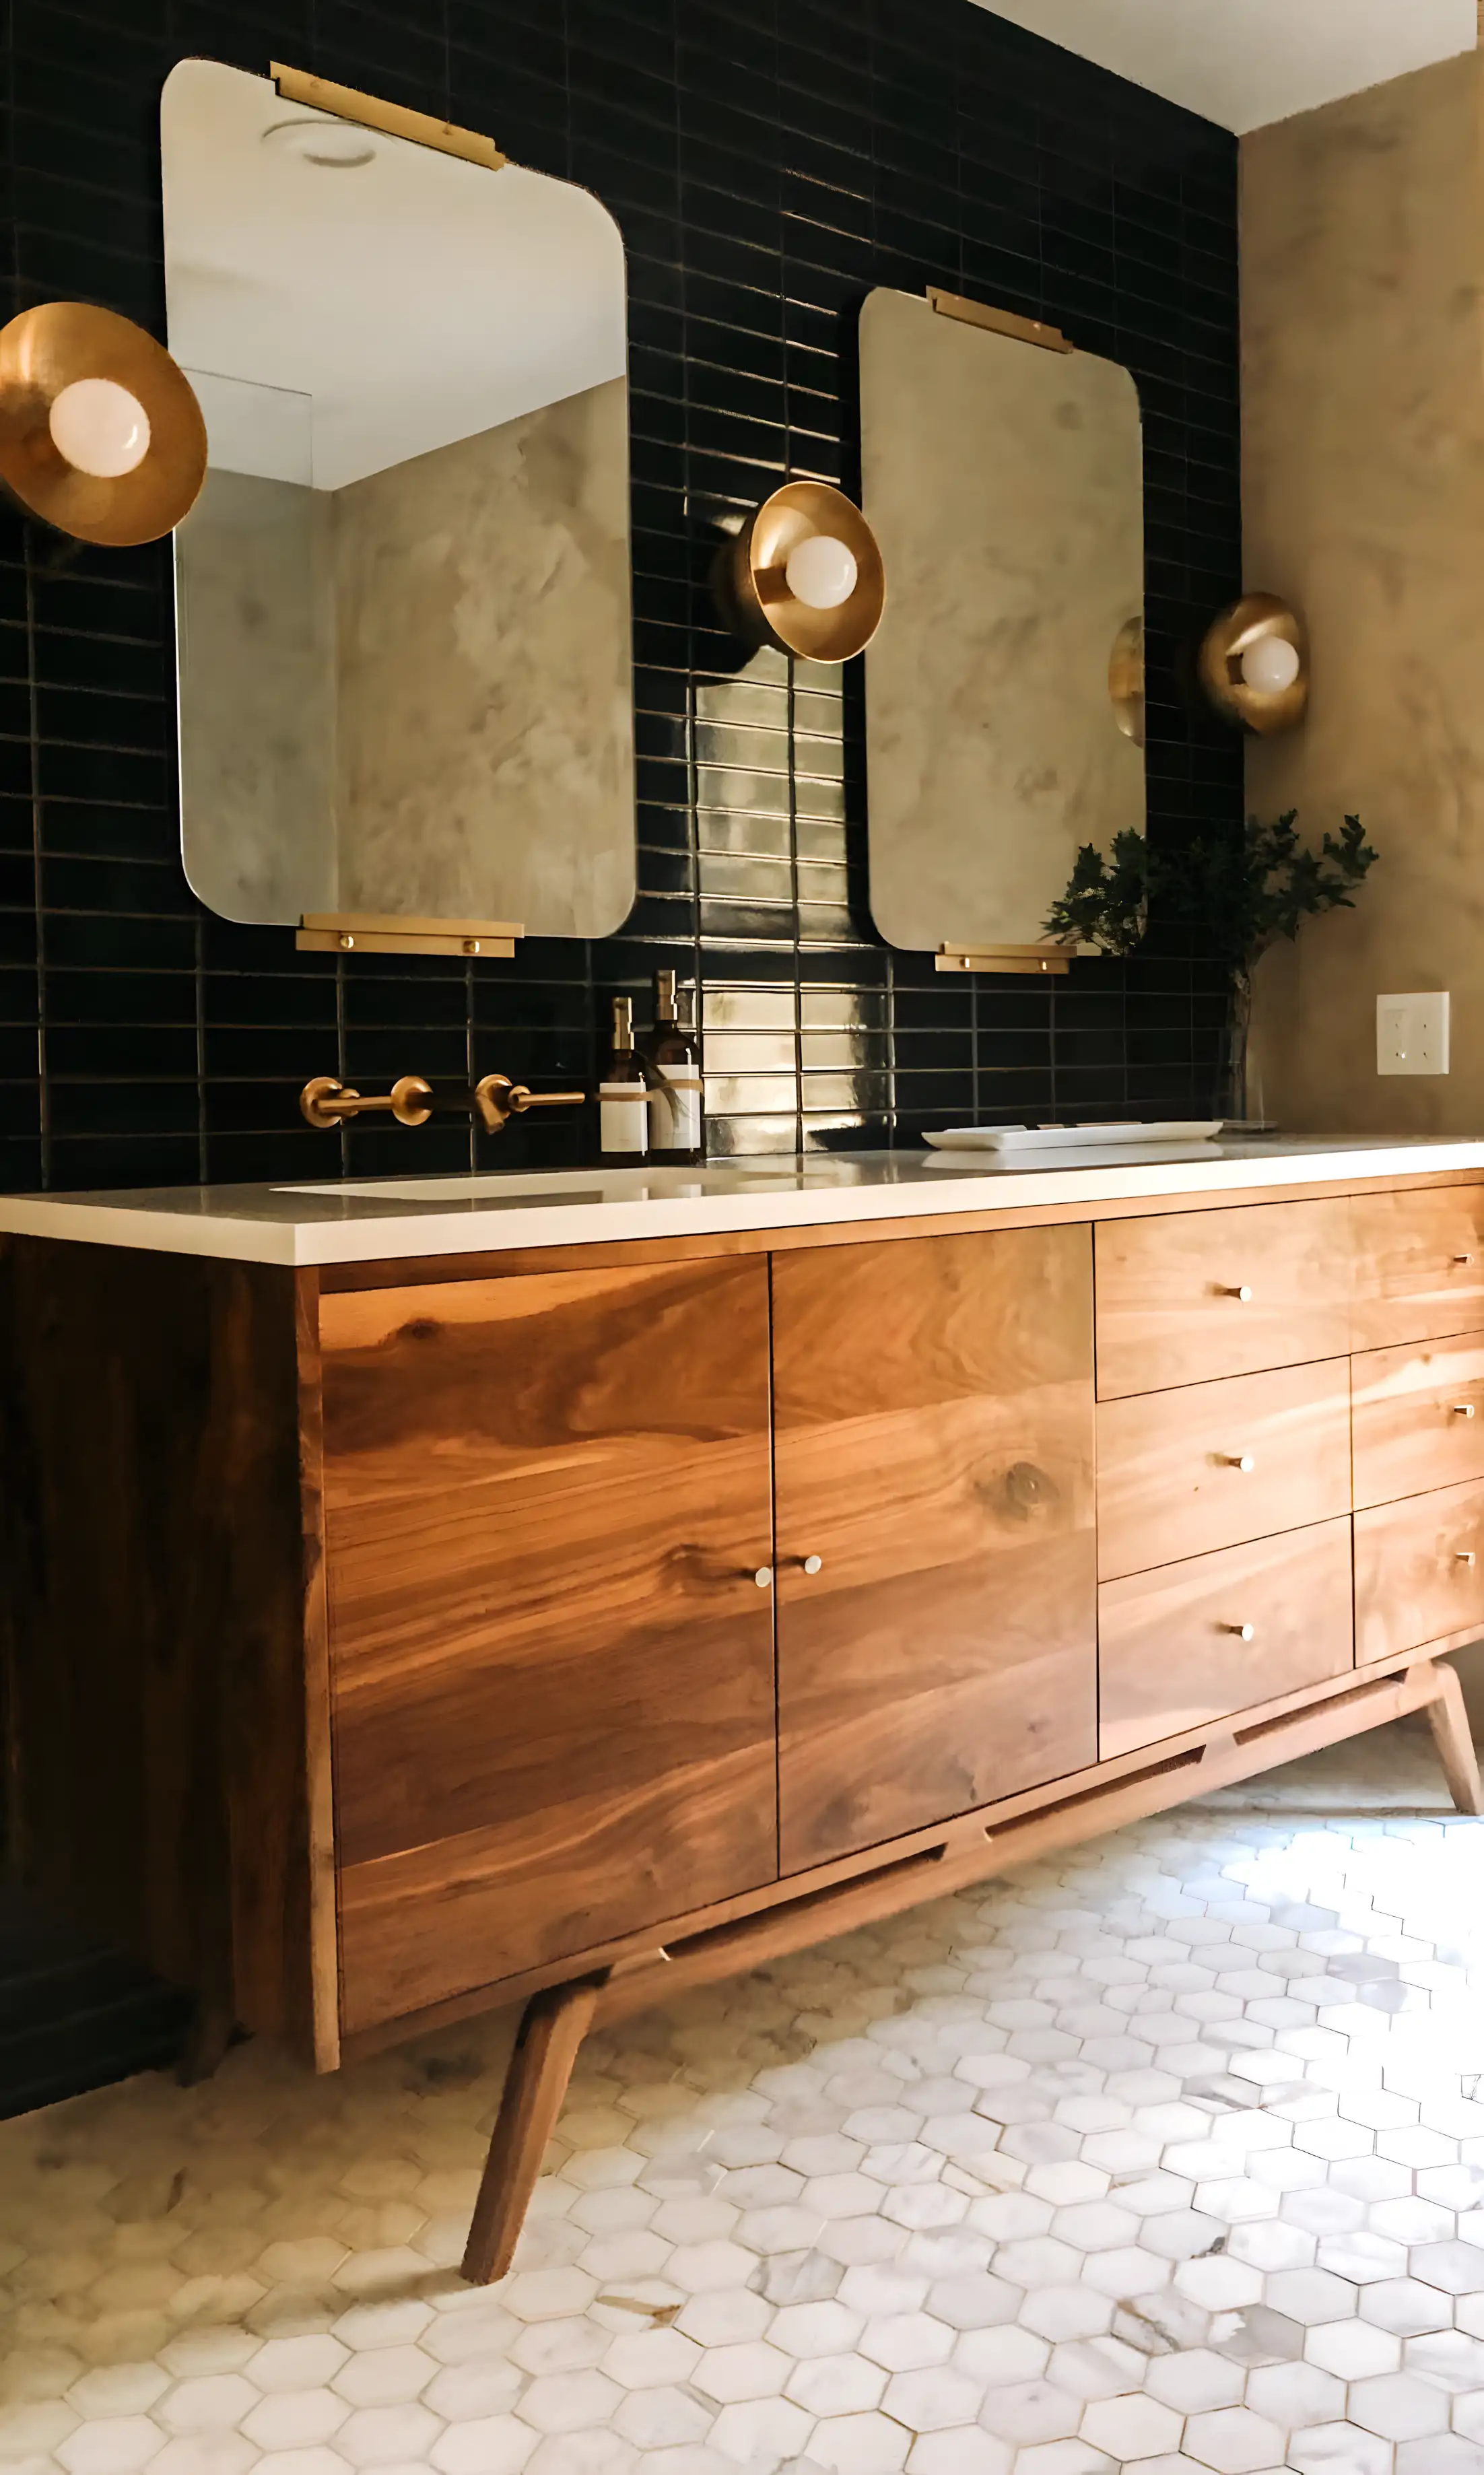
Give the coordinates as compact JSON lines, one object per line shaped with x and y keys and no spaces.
{"x":402,"y":596}
{"x":1004,"y":718}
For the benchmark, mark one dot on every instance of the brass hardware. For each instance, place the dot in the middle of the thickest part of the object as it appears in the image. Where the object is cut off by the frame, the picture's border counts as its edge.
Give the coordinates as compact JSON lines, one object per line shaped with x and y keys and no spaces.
{"x":51,"y":347}
{"x":369,"y":111}
{"x":1243,"y":1296}
{"x":1466,"y":1556}
{"x":495,"y":1101}
{"x":1241,"y":1461}
{"x":1000,"y":322}
{"x":1243,"y":1633}
{"x":1049,"y":961}
{"x":1231,"y":634}
{"x":1462,"y":1409}
{"x":382,"y":932}
{"x":325,"y":1102}
{"x":1125,"y":680}
{"x":750,"y":585}
{"x":763,"y":1577}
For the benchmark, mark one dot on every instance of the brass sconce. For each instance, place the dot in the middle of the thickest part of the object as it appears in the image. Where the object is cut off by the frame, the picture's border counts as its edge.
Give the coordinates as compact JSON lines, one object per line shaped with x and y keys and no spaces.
{"x":1255,"y":665}
{"x":803,"y":575}
{"x":100,"y":431}
{"x":1125,"y":680}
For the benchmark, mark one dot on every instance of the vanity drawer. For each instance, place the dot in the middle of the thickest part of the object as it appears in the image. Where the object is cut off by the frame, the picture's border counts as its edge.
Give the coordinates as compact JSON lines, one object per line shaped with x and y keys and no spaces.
{"x":1192,"y":1295}
{"x":1200,"y":1641}
{"x":1419,"y":1264}
{"x":1419,"y":1571}
{"x":1417,"y":1417}
{"x":1182,"y":1473}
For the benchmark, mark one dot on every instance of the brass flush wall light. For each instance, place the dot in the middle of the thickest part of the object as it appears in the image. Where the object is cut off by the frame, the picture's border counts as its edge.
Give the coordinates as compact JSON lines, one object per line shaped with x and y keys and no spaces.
{"x":100,"y":431}
{"x":1255,"y":665}
{"x":803,"y":575}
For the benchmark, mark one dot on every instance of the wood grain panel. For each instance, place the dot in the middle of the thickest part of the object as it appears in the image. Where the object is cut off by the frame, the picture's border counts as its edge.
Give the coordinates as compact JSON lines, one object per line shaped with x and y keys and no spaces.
{"x":1170,"y":1648}
{"x":1169,"y":1305}
{"x":1417,"y":1417}
{"x":1418,"y":1570}
{"x":1419,"y":1264}
{"x":1169,"y":1480}
{"x":933,"y":1407}
{"x":159,"y":1555}
{"x":546,"y":1500}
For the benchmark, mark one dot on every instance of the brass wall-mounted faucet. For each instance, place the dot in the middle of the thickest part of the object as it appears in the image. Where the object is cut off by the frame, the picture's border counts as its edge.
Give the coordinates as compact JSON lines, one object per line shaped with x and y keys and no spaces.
{"x":494,"y":1100}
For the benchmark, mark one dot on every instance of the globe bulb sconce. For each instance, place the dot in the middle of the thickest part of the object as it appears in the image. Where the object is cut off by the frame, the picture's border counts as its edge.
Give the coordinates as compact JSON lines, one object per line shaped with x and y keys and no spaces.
{"x":1255,"y":665}
{"x":803,"y":575}
{"x":101,"y":435}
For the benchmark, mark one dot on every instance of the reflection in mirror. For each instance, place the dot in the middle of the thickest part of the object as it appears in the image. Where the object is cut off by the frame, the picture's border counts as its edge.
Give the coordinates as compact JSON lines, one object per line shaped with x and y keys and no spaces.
{"x":404,"y":661}
{"x":1004,"y":482}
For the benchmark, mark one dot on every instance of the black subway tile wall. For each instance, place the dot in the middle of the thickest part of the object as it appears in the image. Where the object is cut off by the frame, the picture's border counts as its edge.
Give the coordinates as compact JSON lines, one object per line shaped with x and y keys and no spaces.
{"x":768,"y":160}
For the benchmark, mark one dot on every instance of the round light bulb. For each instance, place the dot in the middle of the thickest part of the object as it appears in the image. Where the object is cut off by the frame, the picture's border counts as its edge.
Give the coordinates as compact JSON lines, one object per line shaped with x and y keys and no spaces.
{"x":99,"y":428}
{"x":821,"y":572}
{"x":1270,"y":664}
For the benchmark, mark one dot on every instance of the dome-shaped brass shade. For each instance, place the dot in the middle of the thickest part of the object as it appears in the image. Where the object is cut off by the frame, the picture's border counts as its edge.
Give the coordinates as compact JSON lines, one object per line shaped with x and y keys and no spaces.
{"x":751,"y":582}
{"x":1231,"y":634}
{"x":45,"y":350}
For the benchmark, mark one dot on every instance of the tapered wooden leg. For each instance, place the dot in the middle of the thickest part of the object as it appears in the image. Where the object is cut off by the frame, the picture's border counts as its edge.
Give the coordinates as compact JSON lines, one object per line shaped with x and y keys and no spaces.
{"x":1453,"y":1737}
{"x":546,"y":2048}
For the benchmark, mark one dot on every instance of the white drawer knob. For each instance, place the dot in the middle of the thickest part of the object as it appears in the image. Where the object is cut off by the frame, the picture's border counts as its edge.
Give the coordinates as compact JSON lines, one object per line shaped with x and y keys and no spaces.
{"x":1463,"y":1259}
{"x":1244,"y":1295}
{"x":1463,"y":1410}
{"x":1466,"y":1556}
{"x":1241,"y":1461}
{"x":1244,"y":1633}
{"x":763,"y":1577}
{"x":814,"y":1563}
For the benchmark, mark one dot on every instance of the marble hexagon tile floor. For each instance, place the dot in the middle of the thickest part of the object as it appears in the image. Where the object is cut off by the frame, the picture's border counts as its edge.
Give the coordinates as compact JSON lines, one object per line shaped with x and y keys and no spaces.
{"x":1165,"y":2154}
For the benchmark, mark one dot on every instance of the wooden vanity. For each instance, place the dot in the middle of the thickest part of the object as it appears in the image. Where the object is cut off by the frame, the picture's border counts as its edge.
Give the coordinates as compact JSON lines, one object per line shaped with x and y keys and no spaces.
{"x":398,"y":1634}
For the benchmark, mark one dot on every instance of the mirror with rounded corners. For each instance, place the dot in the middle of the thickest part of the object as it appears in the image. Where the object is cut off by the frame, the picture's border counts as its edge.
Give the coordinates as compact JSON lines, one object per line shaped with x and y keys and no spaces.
{"x":405,"y":637}
{"x":1004,"y":482}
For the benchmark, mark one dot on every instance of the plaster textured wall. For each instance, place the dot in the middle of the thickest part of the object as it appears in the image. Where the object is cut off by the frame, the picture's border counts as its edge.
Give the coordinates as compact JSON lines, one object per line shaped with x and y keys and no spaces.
{"x":1363,"y":375}
{"x":485,"y":666}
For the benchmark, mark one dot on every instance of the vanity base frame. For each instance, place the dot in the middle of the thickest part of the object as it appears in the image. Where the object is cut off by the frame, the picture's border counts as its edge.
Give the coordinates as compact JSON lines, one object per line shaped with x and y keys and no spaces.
{"x":978,"y":1846}
{"x":385,"y":1642}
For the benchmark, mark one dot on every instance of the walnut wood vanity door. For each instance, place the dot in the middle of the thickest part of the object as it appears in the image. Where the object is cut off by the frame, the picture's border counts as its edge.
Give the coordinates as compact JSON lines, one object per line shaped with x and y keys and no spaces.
{"x":547,"y":1501}
{"x":933,"y":1408}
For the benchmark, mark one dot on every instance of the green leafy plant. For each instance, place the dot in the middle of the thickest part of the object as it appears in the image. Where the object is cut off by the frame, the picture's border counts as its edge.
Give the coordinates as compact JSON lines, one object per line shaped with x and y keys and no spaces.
{"x":1243,"y":892}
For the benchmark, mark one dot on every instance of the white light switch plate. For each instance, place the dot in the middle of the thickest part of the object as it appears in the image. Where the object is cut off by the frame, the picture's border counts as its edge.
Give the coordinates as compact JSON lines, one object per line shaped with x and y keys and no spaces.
{"x":1411,"y":1034}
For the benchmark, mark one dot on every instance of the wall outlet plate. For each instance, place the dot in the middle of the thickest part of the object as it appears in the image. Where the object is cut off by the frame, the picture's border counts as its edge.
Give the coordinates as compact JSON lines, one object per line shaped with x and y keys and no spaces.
{"x":1411,"y":1034}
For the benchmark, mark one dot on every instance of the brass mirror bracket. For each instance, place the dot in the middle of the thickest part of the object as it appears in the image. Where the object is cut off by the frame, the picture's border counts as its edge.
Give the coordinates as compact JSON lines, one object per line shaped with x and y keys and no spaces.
{"x":1051,"y":961}
{"x":1258,"y":617}
{"x":324,"y":1102}
{"x":379,"y":932}
{"x":393,"y":119}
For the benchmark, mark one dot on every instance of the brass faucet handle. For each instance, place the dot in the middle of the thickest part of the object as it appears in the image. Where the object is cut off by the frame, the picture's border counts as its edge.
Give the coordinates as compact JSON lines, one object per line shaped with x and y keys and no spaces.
{"x":497,"y":1100}
{"x":324,"y":1102}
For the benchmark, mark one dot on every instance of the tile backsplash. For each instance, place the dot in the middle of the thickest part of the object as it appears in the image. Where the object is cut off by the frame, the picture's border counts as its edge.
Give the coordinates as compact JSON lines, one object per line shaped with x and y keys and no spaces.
{"x":769,"y":161}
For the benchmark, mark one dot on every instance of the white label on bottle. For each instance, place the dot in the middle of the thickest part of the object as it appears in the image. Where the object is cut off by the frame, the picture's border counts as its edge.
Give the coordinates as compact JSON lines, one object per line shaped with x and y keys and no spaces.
{"x":685,"y":1113}
{"x":623,"y":1114}
{"x":675,"y":1114}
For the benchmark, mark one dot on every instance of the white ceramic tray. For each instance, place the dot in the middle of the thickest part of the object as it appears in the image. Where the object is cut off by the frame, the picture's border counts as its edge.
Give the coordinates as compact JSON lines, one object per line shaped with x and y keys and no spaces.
{"x":1128,"y":1135}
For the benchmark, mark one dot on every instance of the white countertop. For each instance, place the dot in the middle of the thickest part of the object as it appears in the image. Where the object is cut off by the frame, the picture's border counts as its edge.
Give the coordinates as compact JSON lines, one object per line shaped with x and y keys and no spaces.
{"x":372,"y":1221}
